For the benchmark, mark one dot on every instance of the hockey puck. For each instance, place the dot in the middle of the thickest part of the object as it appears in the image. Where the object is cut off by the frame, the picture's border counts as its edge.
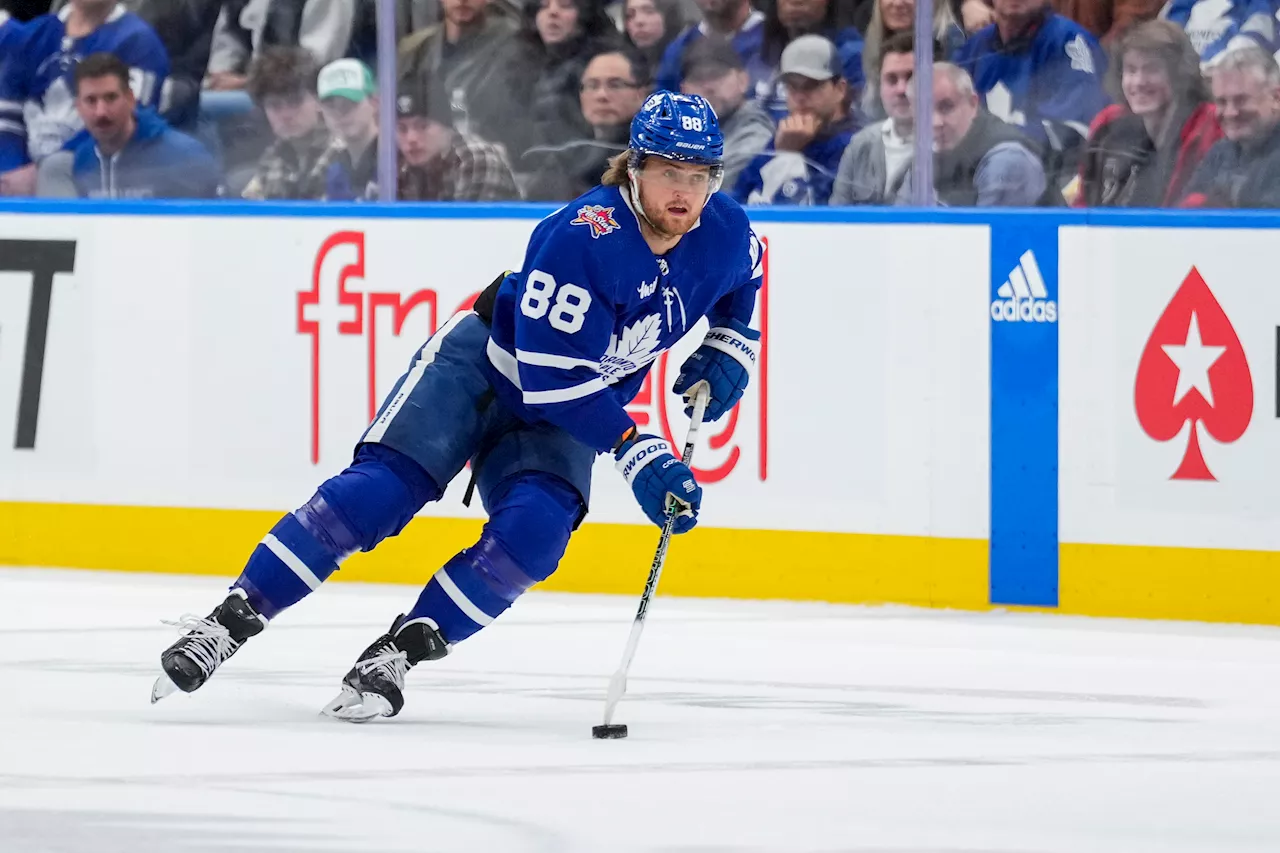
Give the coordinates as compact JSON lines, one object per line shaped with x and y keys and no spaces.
{"x":609,"y":732}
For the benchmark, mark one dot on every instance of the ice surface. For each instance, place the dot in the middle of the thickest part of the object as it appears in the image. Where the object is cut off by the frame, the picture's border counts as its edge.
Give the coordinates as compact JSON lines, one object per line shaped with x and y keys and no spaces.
{"x":754,"y":727}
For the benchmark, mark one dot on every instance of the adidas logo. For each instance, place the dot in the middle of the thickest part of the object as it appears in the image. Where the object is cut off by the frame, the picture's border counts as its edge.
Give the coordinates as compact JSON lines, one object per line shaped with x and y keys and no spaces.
{"x":1023,"y":296}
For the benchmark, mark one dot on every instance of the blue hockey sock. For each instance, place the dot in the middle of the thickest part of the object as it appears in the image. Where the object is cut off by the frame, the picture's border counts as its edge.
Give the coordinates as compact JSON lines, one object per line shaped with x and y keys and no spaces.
{"x":531,"y":519}
{"x":372,"y":499}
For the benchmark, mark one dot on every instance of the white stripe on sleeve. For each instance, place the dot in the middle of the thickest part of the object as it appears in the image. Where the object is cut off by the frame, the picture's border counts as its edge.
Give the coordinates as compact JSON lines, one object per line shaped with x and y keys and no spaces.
{"x":546,"y":359}
{"x":564,"y":395}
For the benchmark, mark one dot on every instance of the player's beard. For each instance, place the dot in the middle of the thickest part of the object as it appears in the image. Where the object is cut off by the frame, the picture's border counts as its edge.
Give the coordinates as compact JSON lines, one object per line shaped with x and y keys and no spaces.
{"x":665,"y":225}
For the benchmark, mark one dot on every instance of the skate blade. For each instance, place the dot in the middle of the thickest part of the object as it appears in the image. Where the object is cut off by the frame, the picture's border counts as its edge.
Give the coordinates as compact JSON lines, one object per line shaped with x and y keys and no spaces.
{"x":163,"y":687}
{"x":352,"y":707}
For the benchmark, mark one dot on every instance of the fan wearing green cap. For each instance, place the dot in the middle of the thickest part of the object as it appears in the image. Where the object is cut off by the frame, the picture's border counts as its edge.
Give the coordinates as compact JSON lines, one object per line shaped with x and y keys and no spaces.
{"x":349,"y":102}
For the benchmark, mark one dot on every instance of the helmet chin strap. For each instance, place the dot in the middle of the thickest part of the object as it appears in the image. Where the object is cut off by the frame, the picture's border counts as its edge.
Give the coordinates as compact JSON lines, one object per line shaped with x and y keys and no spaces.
{"x":633,"y":179}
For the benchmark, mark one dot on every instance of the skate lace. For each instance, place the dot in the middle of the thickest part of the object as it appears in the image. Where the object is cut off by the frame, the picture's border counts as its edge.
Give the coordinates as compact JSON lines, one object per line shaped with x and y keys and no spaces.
{"x":209,"y":643}
{"x":391,"y":664}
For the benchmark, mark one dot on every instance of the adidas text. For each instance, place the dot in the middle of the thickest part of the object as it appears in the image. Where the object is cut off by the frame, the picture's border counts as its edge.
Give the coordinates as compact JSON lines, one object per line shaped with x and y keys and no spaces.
{"x":1023,"y":296}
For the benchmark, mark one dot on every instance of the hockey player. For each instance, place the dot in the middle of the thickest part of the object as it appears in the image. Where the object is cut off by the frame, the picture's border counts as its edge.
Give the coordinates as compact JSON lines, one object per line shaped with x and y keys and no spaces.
{"x":530,"y":386}
{"x":37,"y":105}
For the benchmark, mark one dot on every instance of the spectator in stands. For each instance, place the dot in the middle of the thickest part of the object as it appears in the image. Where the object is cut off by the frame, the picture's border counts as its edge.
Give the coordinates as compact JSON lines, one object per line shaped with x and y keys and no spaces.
{"x":1242,"y":170}
{"x":472,"y":49}
{"x":651,"y":25}
{"x":1041,"y":72}
{"x":613,"y":87}
{"x":185,"y":28}
{"x":1107,"y":20}
{"x":714,"y":70}
{"x":1218,"y":26}
{"x":894,"y":17}
{"x":37,"y":107}
{"x":799,"y":164}
{"x":874,"y":166}
{"x":246,"y":27}
{"x":127,"y":151}
{"x":980,"y":160}
{"x":557,"y":38}
{"x":282,"y":82}
{"x":734,"y":21}
{"x":438,"y":163}
{"x":349,"y":104}
{"x":1143,"y":150}
{"x":787,"y":20}
{"x":10,"y":32}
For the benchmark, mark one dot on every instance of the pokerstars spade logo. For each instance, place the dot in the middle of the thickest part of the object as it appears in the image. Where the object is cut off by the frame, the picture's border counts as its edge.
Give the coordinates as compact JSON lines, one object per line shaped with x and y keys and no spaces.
{"x":1193,"y":369}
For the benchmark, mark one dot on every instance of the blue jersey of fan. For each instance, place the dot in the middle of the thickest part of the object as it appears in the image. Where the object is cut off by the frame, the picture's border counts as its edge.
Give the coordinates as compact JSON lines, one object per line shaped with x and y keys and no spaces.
{"x":37,"y":107}
{"x":576,"y":329}
{"x":1217,"y":26}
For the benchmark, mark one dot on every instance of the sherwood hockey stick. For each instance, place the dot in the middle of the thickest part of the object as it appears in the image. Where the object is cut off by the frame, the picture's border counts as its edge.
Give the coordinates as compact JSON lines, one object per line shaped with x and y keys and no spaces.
{"x":618,"y":683}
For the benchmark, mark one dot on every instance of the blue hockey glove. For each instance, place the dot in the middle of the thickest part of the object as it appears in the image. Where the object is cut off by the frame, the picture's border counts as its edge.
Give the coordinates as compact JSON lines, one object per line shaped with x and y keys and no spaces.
{"x":725,"y":362}
{"x":657,"y":478}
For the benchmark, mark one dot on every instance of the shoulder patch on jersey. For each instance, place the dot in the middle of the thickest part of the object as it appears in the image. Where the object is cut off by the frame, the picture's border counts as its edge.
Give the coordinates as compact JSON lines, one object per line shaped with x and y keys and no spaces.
{"x":1080,"y":55}
{"x":598,"y":218}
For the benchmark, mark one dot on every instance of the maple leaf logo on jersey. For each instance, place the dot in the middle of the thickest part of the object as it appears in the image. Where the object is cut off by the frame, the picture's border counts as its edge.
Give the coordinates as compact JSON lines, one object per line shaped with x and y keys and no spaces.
{"x":599,"y":219}
{"x":636,"y":348}
{"x":1193,"y":368}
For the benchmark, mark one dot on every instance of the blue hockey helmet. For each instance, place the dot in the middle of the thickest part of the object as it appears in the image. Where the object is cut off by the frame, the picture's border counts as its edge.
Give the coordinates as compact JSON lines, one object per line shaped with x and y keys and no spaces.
{"x":678,"y":127}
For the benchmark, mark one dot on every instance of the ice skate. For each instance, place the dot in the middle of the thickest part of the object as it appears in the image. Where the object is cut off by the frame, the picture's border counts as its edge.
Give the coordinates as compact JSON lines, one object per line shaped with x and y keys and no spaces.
{"x":374,"y":687}
{"x":188,"y":663}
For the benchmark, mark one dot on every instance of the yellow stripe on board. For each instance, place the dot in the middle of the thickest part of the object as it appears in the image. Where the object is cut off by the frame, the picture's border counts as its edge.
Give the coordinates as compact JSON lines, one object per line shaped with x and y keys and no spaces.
{"x":607,"y":558}
{"x":1149,"y":582}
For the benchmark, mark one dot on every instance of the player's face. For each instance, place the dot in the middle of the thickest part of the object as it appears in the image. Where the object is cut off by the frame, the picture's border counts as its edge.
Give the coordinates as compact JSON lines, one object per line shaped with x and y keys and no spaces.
{"x":1247,"y":106}
{"x":106,"y":107}
{"x":953,"y":113}
{"x":895,"y":85}
{"x":421,"y":140}
{"x":673,"y":194}
{"x":1144,"y":80}
{"x":291,"y":116}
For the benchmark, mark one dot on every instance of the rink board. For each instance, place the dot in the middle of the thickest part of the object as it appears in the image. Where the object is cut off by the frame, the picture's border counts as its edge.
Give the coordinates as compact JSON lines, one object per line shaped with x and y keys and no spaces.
{"x":198,"y":372}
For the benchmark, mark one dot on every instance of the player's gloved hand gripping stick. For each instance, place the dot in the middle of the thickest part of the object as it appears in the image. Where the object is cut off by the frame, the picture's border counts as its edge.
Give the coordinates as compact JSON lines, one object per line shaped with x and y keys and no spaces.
{"x":618,"y":683}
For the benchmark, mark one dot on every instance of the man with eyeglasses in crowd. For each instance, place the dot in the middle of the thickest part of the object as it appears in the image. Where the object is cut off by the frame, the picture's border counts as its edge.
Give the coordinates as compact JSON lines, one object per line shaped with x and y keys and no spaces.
{"x":613,"y":87}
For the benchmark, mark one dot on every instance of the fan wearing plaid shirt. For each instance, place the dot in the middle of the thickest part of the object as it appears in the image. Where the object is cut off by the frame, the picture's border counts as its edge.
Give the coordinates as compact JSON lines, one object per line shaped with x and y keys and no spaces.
{"x":439,"y":162}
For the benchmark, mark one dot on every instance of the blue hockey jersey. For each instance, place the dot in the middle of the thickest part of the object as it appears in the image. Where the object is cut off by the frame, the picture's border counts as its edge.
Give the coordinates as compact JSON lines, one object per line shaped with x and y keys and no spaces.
{"x":574,"y":332}
{"x":1048,"y":82}
{"x":1215,"y":25}
{"x":747,"y":41}
{"x":10,"y":33}
{"x":37,"y":107}
{"x":796,"y":177}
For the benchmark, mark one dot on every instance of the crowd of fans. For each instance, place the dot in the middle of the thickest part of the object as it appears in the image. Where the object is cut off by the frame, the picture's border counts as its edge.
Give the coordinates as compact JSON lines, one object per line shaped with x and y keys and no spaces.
{"x":1088,"y":103}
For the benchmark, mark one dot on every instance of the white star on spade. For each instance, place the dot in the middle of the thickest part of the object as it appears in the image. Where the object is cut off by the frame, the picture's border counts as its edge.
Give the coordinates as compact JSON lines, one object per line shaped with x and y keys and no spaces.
{"x":1193,"y":359}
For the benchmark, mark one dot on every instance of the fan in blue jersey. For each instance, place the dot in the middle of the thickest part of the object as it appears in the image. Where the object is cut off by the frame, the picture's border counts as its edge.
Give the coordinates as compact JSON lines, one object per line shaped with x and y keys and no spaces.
{"x":37,"y":104}
{"x":529,"y":386}
{"x":10,"y":32}
{"x":1217,"y":26}
{"x":1040,"y":71}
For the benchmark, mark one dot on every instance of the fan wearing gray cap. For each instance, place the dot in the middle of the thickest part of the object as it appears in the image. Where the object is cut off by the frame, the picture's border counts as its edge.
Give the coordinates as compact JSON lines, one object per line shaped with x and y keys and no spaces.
{"x":439,"y":162}
{"x":799,"y":165}
{"x":714,"y":70}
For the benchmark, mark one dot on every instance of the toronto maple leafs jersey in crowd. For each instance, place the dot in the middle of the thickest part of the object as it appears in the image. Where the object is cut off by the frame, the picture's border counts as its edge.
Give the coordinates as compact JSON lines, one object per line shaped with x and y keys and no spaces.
{"x":1215,"y":26}
{"x":37,"y":107}
{"x":10,"y":33}
{"x":1048,"y":81}
{"x":575,"y":331}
